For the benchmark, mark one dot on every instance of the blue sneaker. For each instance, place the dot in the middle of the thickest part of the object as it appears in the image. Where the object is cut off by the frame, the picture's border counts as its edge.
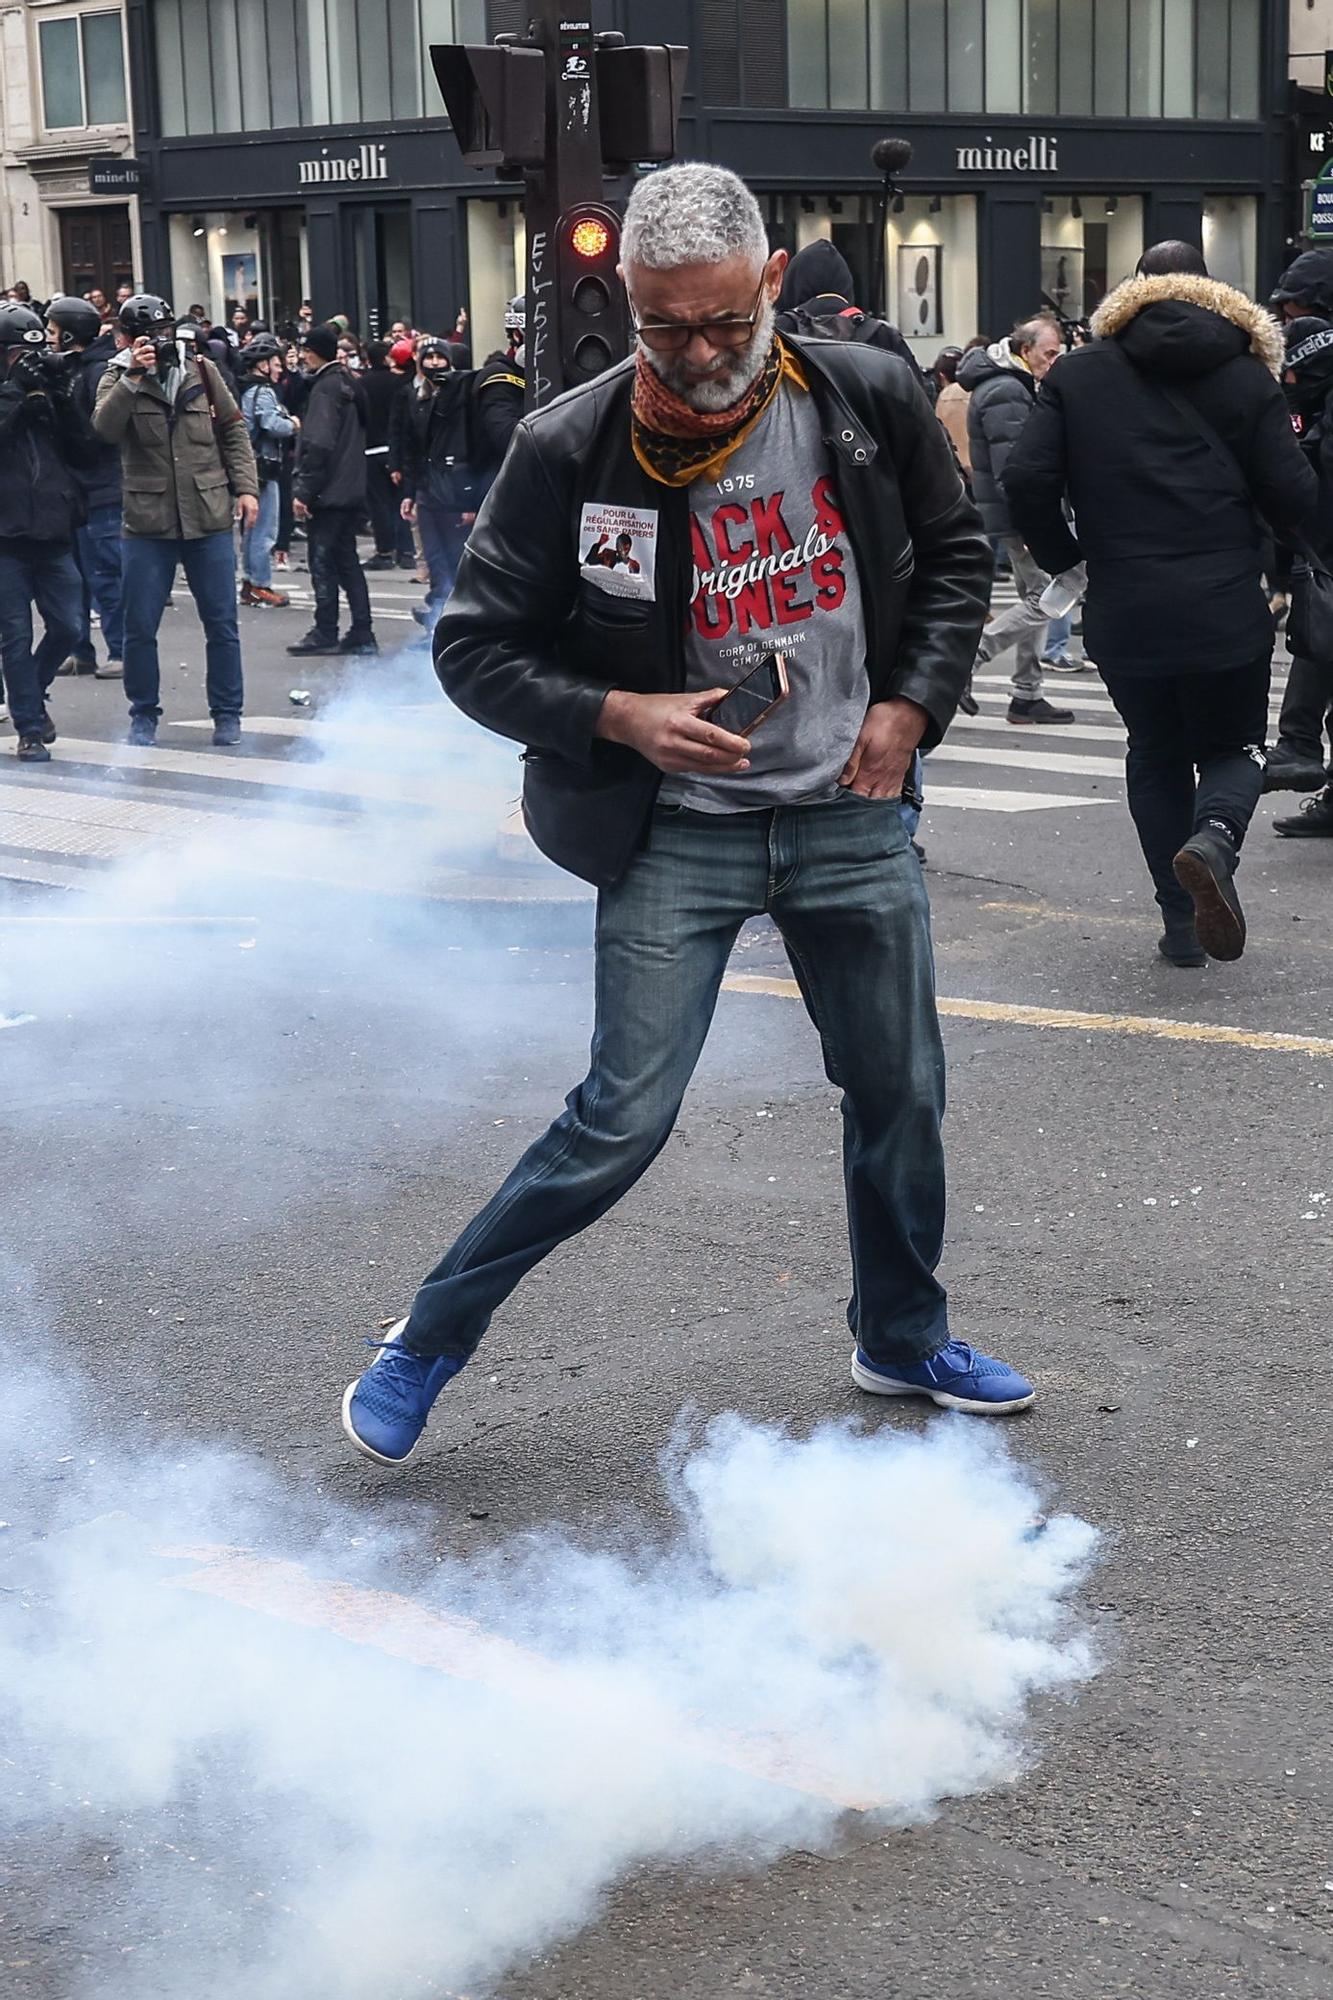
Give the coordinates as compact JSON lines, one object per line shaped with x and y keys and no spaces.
{"x":957,"y":1378}
{"x":385,"y":1412}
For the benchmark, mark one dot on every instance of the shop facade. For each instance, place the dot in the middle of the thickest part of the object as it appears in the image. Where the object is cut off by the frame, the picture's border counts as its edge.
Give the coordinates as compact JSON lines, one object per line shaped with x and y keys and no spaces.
{"x":291,"y":150}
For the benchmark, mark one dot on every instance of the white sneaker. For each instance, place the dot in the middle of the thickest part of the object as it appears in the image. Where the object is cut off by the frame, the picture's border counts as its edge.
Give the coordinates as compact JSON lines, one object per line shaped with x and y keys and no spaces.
{"x":110,"y":670}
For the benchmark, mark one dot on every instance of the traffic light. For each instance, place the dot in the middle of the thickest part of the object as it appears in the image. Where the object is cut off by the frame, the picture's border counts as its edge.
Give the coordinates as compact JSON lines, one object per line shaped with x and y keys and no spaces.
{"x":593,"y":313}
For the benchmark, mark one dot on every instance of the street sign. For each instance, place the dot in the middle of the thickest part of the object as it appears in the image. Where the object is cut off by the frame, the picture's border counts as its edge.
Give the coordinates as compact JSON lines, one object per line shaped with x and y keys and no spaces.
{"x":1320,"y":225}
{"x":559,"y":105}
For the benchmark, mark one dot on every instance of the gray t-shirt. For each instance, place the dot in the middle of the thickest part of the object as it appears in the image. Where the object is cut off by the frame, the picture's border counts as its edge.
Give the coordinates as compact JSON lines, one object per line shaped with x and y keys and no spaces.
{"x":774,"y":572}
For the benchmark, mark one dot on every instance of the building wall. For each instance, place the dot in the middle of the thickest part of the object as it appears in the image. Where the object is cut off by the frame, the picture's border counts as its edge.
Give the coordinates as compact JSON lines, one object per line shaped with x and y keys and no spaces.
{"x":1309,"y":34}
{"x":45,"y":147}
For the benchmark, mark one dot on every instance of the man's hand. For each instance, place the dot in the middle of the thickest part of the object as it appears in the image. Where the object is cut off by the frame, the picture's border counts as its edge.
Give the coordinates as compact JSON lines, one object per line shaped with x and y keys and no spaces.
{"x":300,"y":510}
{"x":669,"y":730}
{"x":408,"y":510}
{"x":247,"y":509}
{"x":143,"y":356}
{"x":890,"y":733}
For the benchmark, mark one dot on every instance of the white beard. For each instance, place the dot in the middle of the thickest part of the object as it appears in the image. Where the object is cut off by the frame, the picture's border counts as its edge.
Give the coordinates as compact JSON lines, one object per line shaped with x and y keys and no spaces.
{"x":740,"y":370}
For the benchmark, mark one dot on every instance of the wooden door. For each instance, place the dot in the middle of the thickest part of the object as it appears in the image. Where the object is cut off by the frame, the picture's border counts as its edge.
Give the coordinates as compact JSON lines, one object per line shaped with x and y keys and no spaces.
{"x":96,"y":249}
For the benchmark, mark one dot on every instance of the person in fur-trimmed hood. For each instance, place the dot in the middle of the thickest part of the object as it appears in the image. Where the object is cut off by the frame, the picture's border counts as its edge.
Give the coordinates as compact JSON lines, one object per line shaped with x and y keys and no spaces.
{"x":1170,"y":436}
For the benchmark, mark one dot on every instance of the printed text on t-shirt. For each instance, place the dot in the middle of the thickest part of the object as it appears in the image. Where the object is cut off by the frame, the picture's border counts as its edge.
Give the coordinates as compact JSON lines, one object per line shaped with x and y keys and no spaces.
{"x":756,"y":574}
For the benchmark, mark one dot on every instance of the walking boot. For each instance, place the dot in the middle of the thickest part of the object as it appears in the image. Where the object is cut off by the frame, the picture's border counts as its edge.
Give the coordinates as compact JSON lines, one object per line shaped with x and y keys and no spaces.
{"x":1204,"y":868}
{"x":1314,"y":821}
{"x":1291,"y":770}
{"x":1179,"y":943}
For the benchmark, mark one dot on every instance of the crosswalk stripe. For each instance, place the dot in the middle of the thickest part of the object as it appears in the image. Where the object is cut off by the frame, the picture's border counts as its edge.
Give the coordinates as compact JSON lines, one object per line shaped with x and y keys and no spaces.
{"x":1052,"y":761}
{"x":1001,"y":801}
{"x":1092,"y":732}
{"x":449,"y":792}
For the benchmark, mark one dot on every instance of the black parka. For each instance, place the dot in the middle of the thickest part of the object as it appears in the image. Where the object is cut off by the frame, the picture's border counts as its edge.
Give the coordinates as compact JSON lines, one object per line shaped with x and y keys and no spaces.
{"x":1174,"y":548}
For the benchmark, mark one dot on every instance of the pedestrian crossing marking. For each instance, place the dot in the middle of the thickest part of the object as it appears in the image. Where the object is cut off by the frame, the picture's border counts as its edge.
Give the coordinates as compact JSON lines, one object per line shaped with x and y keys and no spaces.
{"x":1013,"y":1014}
{"x":279,"y":774}
{"x":1054,"y":761}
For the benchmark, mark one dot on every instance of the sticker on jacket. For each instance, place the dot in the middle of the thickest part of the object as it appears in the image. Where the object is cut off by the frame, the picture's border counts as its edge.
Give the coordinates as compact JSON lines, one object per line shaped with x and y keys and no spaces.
{"x":618,"y":549}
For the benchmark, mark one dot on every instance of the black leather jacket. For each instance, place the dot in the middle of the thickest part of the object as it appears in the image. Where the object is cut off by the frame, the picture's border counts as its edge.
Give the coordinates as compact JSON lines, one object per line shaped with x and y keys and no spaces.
{"x":530,"y":651}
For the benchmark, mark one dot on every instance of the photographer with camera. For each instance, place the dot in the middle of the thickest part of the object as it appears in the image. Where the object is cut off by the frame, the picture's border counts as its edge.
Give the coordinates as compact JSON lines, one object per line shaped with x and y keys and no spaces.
{"x":45,"y":443}
{"x":188,"y":468}
{"x":74,"y":328}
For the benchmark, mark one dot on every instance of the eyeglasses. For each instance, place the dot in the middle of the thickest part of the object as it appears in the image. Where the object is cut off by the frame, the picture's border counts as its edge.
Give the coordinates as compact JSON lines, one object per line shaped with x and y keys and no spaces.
{"x":672,"y":336}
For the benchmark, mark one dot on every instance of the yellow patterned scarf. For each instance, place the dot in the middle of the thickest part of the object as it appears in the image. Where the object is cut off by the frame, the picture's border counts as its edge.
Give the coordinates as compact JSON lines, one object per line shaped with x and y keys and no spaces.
{"x":676,"y":444}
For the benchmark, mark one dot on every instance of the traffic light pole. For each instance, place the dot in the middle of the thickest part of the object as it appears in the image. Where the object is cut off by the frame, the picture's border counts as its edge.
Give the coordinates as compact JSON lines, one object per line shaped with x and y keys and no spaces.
{"x":571,"y":173}
{"x":529,"y":105}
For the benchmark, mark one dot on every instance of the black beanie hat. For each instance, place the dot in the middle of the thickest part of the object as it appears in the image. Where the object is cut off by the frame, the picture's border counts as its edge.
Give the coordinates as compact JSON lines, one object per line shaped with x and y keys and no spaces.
{"x":323,"y":341}
{"x":1310,"y":360}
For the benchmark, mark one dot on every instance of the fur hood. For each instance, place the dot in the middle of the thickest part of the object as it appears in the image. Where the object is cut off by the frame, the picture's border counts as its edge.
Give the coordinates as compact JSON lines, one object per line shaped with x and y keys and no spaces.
{"x":1122,"y":305}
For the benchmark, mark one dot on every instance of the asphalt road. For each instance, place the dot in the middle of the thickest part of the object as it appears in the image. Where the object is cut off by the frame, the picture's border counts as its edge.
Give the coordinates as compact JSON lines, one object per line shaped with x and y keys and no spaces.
{"x":290,"y":1025}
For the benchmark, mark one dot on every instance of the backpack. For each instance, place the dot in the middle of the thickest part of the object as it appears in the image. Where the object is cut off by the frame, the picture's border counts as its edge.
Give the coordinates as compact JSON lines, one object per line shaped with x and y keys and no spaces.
{"x":850,"y":324}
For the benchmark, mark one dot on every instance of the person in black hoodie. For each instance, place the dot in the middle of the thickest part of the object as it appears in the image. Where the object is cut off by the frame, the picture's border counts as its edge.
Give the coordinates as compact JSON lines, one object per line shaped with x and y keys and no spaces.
{"x":1296,"y":762}
{"x":444,"y":481}
{"x":1170,"y":436}
{"x":45,"y":443}
{"x":381,"y":388}
{"x":329,"y":494}
{"x":816,"y":300}
{"x":74,"y":327}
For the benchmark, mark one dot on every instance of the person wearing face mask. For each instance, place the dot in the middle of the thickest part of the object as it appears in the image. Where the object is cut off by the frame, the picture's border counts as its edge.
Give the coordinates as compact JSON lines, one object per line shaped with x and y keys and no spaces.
{"x":1297,"y":761}
{"x":768,"y":508}
{"x":46,"y":443}
{"x":442,"y":484}
{"x":329,"y":495}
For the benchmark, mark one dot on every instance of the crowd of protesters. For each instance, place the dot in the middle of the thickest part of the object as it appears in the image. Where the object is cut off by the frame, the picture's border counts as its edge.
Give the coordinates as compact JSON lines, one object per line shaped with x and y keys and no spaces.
{"x":239,"y":441}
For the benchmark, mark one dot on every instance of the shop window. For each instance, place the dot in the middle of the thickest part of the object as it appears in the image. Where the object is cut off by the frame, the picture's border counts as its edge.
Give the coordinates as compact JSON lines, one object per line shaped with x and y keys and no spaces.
{"x":1089,"y":244}
{"x":1230,"y":224}
{"x":82,"y":59}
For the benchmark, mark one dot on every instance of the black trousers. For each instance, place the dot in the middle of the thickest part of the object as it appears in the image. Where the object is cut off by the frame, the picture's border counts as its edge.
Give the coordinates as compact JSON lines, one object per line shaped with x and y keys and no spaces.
{"x":1195,"y":754}
{"x":331,"y":540}
{"x":1307,"y":708}
{"x":393,"y":536}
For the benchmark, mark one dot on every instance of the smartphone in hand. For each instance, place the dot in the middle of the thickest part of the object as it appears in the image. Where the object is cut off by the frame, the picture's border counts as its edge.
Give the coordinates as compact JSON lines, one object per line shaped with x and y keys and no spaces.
{"x":753,"y":700}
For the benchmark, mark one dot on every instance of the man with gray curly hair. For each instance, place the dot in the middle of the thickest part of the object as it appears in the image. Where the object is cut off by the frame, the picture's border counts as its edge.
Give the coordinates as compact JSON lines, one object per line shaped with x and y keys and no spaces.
{"x":724,"y":594}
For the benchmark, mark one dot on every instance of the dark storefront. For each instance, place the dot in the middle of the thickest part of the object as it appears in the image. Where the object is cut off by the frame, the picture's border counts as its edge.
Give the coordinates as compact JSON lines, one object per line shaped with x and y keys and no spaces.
{"x":292,"y":151}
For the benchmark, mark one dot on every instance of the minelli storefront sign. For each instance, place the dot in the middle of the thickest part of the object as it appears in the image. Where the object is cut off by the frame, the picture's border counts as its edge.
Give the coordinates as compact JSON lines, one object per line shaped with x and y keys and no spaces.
{"x":1037,"y":154}
{"x":363,"y":163}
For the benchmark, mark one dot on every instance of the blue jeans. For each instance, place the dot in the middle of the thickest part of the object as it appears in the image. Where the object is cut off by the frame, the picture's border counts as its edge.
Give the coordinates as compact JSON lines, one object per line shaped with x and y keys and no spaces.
{"x":443,"y":539}
{"x":843,"y":886}
{"x":44,"y":574}
{"x":210,"y":570}
{"x":257,"y":542}
{"x":97,"y":552}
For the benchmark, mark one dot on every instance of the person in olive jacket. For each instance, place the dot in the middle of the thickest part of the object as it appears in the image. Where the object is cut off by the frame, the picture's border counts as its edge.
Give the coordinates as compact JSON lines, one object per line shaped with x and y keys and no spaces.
{"x":186,"y":469}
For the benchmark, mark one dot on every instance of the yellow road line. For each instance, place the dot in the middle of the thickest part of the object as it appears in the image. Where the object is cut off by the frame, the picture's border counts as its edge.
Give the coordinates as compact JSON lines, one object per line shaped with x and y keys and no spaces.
{"x":456,"y":1646}
{"x":1014,"y":1015}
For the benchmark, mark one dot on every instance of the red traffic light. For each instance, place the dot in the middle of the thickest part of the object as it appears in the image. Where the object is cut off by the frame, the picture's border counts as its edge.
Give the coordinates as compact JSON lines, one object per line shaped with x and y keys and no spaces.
{"x":590,"y":238}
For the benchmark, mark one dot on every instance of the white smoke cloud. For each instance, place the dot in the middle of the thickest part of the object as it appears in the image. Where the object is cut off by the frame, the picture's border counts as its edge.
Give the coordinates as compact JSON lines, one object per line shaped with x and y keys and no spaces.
{"x":253,"y":1754}
{"x":391,"y":1794}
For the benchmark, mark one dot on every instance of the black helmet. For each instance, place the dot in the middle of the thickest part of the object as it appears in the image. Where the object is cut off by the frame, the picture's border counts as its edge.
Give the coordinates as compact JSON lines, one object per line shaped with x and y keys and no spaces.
{"x":147,"y":314}
{"x":74,"y":320}
{"x":516,"y":314}
{"x":21,"y":327}
{"x":264,"y":347}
